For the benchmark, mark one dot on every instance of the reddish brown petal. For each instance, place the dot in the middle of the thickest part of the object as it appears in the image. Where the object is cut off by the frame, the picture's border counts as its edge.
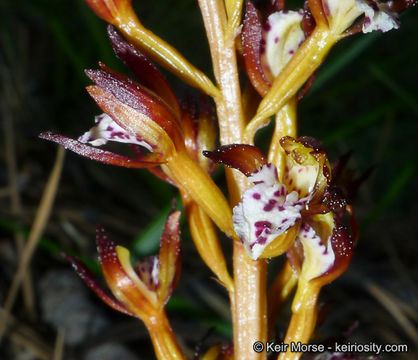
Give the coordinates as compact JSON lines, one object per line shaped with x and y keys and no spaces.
{"x":133,"y":95}
{"x":243,"y":157}
{"x":170,"y":256}
{"x":91,"y":281}
{"x":100,"y":155}
{"x":353,"y":223}
{"x":253,"y":47}
{"x":399,"y":6}
{"x":199,"y":129}
{"x":308,"y":21}
{"x":132,"y":294}
{"x":279,"y":4}
{"x":138,"y":123}
{"x":144,"y":70}
{"x":156,"y":171}
{"x":189,"y":116}
{"x":343,"y":247}
{"x":334,"y":199}
{"x":207,"y":133}
{"x":308,"y":85}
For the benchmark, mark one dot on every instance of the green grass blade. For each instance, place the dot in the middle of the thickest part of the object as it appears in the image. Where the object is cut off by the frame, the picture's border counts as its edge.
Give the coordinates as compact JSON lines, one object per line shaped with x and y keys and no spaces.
{"x":394,"y":191}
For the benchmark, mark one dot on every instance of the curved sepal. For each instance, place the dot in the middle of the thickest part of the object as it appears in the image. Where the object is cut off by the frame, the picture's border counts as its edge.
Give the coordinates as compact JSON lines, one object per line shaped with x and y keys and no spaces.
{"x":144,"y":70}
{"x":342,"y":245}
{"x":91,"y":281}
{"x":132,"y":95}
{"x":121,"y":277}
{"x":103,"y":156}
{"x":252,"y":48}
{"x":199,"y":129}
{"x":245,"y":158}
{"x":134,"y":121}
{"x":169,"y":257}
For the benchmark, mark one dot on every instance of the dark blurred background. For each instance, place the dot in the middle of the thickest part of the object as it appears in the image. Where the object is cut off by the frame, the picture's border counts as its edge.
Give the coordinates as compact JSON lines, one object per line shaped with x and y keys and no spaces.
{"x":365,"y":100}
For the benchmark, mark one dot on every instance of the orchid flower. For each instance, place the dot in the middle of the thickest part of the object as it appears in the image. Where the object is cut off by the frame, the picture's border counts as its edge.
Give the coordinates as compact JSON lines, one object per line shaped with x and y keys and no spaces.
{"x":331,"y":21}
{"x":268,"y":47}
{"x":143,"y":290}
{"x":299,"y":213}
{"x":270,"y":213}
{"x":148,"y":115}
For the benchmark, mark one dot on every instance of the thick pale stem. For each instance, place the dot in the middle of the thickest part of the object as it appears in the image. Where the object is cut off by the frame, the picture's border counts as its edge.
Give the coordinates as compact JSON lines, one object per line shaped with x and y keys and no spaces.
{"x":249,"y":305}
{"x":250,"y":310}
{"x":303,"y":320}
{"x":286,"y":125}
{"x":163,"y":338}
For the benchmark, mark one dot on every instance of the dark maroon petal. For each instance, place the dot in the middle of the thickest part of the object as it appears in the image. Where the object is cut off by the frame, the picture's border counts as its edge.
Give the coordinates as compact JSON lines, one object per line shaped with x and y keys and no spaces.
{"x":170,"y":256}
{"x":92,"y":282}
{"x":144,"y":70}
{"x":100,"y":155}
{"x":353,"y":224}
{"x":279,"y":4}
{"x":399,"y":6}
{"x":117,"y":279}
{"x":133,"y":95}
{"x":243,"y":157}
{"x":334,"y":199}
{"x":307,"y":86}
{"x":309,"y":141}
{"x":251,"y":39}
{"x":189,"y":112}
{"x":156,"y":171}
{"x":308,"y":21}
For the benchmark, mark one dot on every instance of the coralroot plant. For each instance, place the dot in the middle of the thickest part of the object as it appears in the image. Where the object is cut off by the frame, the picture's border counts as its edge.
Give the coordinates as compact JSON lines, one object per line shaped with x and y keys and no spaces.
{"x":289,"y":202}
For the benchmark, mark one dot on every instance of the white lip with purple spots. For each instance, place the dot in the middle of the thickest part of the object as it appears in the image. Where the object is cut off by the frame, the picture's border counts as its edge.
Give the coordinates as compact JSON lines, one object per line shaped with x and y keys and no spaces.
{"x":342,"y":14}
{"x":377,"y":16}
{"x":266,"y":211}
{"x":106,"y":129}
